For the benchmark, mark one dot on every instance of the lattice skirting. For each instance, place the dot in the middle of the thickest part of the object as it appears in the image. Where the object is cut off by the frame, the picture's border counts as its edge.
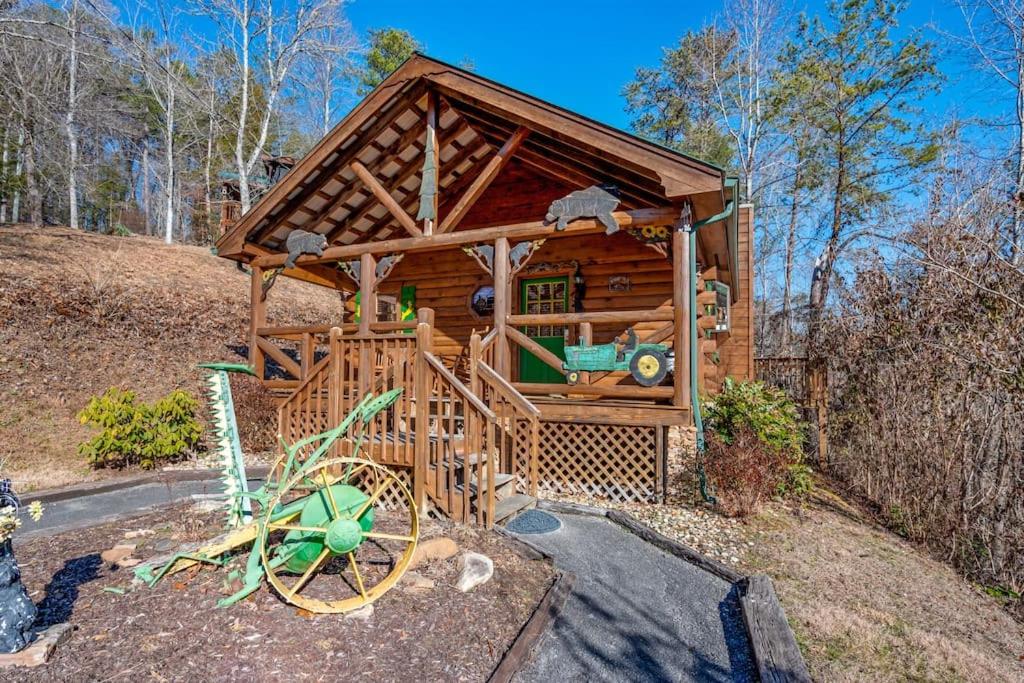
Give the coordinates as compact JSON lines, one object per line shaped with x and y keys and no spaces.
{"x":620,"y":462}
{"x":391,"y":499}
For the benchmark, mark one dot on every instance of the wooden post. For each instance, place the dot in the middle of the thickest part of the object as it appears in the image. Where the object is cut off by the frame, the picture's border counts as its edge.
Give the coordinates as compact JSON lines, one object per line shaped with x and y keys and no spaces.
{"x":306,"y":354}
{"x":335,"y":379}
{"x":421,"y":394}
{"x":474,"y":359}
{"x":367,"y":293}
{"x":257,"y":319}
{"x":586,"y":339}
{"x":681,"y":397}
{"x":502,"y":307}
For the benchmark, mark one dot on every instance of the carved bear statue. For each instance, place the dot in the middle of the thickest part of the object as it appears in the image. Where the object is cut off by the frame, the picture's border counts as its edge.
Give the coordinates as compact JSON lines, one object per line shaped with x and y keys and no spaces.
{"x":302,"y":242}
{"x":593,"y":202}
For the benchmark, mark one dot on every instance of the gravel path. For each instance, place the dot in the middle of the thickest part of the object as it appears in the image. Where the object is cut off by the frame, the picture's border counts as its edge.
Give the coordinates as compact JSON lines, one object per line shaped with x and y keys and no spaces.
{"x":636,"y":613}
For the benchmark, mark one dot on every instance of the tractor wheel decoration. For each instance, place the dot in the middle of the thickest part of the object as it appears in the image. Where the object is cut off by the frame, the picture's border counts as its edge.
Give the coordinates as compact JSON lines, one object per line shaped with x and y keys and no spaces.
{"x":337,"y":533}
{"x":322,"y":537}
{"x":648,"y":367}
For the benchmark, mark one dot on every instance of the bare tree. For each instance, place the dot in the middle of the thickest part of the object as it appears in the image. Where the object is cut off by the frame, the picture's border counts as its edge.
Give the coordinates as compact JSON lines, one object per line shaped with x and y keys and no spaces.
{"x":267,"y":40}
{"x":742,"y":86}
{"x":995,"y":37}
{"x":72,"y":108}
{"x":326,"y":72}
{"x":163,"y":72}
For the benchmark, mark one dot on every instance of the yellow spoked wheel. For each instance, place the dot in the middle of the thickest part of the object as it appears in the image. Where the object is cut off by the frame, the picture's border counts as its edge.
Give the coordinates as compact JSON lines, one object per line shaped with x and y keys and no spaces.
{"x":338,"y":550}
{"x":648,"y":367}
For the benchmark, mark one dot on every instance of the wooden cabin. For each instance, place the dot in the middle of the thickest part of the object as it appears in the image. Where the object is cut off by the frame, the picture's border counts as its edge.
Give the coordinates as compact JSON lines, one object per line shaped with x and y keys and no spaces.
{"x":433,"y":198}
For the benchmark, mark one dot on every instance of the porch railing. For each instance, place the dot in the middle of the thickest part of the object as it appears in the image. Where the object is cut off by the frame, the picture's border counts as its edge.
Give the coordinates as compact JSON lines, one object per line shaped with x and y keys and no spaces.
{"x":590,"y":382}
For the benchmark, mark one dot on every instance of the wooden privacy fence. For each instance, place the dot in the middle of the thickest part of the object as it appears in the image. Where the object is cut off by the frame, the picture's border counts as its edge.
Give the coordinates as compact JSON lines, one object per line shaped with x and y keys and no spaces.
{"x":806,"y":382}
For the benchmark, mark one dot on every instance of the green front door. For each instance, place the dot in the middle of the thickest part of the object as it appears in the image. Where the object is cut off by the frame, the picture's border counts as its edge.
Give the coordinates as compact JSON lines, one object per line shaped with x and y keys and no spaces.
{"x":543,"y":295}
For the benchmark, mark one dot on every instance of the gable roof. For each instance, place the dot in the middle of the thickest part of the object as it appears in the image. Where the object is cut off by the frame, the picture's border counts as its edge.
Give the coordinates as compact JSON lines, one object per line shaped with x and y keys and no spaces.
{"x":386,"y":134}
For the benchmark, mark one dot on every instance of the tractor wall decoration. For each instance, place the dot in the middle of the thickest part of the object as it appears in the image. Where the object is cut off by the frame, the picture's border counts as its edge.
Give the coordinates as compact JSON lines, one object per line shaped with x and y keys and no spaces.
{"x":647,"y":363}
{"x":316,"y":530}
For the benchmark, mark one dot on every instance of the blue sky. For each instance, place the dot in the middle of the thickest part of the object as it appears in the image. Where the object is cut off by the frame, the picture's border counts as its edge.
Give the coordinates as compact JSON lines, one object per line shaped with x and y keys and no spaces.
{"x":580,"y":54}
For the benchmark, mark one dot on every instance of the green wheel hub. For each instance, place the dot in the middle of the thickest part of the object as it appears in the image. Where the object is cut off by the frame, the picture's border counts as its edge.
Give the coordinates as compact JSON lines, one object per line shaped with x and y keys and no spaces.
{"x":343,"y":536}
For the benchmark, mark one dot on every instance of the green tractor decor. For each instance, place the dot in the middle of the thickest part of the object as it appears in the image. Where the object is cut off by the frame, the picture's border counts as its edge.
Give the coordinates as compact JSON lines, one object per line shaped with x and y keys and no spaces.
{"x":647,"y":363}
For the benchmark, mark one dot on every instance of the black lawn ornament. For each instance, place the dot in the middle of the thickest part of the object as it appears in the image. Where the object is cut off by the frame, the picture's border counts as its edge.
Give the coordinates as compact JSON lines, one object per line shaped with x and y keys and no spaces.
{"x":17,"y":613}
{"x":593,"y":202}
{"x":303,"y":242}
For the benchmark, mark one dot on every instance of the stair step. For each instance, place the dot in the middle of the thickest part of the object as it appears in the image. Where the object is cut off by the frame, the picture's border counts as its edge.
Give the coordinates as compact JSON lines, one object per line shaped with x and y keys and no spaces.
{"x":508,"y":507}
{"x":500,"y":481}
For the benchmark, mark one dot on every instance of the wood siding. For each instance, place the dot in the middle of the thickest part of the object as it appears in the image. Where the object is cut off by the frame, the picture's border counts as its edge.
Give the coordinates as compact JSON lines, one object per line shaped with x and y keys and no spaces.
{"x":737,"y":352}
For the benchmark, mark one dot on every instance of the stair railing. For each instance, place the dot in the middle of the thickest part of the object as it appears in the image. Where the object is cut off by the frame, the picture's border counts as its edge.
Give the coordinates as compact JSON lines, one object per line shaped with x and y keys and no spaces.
{"x":456,"y":440}
{"x":517,"y":417}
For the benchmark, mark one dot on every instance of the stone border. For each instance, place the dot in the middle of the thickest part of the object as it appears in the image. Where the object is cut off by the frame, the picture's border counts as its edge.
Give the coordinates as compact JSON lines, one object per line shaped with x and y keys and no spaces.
{"x":776,"y":652}
{"x":550,"y":606}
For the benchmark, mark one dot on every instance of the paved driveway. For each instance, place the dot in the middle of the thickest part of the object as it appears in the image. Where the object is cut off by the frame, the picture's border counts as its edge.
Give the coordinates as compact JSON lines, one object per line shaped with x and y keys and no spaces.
{"x":636,"y":613}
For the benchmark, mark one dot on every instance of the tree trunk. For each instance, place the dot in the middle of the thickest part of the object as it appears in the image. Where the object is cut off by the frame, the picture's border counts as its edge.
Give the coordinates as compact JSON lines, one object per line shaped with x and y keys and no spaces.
{"x":3,"y":175}
{"x":787,"y":287}
{"x":19,"y":160}
{"x":69,"y":120}
{"x":822,"y":276}
{"x":207,"y":170}
{"x":145,"y":188}
{"x":1017,"y":238}
{"x":243,"y":115}
{"x":34,"y":196}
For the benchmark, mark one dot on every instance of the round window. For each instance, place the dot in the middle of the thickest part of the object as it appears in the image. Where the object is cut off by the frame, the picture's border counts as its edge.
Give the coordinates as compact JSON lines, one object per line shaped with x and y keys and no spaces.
{"x":481,"y":302}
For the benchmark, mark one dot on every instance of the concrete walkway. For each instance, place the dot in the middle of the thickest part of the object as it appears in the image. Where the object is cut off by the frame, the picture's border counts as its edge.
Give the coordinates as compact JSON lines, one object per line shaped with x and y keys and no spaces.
{"x":88,"y":510}
{"x":636,"y":613}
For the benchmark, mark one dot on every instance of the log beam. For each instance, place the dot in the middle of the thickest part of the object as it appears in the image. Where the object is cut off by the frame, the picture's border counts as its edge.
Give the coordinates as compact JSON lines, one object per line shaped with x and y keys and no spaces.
{"x":385,"y":198}
{"x":483,"y":181}
{"x":522,"y":231}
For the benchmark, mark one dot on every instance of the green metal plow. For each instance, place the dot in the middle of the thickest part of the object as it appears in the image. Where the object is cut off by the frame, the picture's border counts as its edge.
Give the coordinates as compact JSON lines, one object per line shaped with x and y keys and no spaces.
{"x":311,"y":511}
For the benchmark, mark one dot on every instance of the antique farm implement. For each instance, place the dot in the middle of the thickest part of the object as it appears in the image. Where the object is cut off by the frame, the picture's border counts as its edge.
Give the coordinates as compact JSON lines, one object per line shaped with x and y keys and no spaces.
{"x":647,"y":363}
{"x":319,"y":534}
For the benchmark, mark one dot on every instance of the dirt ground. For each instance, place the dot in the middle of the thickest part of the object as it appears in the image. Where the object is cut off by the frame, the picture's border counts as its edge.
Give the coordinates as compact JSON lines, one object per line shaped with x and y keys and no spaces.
{"x":81,"y":312}
{"x":867,"y":605}
{"x":173,"y":632}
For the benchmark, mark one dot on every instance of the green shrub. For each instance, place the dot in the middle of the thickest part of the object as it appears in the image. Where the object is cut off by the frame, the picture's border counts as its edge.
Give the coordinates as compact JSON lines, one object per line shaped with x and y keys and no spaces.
{"x":137,"y":433}
{"x":755,"y":446}
{"x":766,"y":410}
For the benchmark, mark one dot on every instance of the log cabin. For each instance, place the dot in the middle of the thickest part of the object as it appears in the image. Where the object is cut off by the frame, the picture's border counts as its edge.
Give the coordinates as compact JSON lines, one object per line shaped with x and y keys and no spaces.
{"x":433,"y":208}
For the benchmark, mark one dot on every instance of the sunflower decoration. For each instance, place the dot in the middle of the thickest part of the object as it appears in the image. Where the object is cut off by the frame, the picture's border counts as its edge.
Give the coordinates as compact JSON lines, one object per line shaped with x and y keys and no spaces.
{"x":651,"y":233}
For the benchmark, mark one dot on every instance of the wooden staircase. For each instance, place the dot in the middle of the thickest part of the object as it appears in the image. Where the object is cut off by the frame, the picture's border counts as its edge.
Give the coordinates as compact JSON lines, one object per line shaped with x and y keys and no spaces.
{"x":475,"y":460}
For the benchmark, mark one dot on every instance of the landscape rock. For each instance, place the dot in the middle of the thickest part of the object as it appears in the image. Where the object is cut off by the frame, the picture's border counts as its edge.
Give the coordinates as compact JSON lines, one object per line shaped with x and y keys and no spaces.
{"x":39,"y":651}
{"x":412,"y":581}
{"x":362,"y":614}
{"x":440,"y":548}
{"x":118,"y":553}
{"x":477,"y":569}
{"x":138,"y":533}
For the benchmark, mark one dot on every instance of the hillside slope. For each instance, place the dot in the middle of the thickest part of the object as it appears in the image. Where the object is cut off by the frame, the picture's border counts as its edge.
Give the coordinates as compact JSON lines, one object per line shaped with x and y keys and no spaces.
{"x":81,"y":312}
